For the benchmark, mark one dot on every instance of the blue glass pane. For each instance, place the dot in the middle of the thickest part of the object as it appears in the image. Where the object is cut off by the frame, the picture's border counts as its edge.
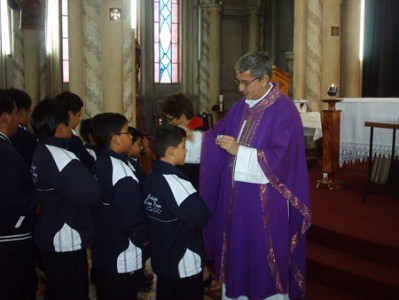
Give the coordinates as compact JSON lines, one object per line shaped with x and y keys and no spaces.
{"x":165,"y":41}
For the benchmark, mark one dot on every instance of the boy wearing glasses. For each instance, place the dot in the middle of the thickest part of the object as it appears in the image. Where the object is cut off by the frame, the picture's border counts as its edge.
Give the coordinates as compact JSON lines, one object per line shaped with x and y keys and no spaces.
{"x":120,"y":222}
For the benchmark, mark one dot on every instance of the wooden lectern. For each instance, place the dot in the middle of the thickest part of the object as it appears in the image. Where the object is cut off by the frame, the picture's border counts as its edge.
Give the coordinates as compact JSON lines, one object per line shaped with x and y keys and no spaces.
{"x":330,"y":163}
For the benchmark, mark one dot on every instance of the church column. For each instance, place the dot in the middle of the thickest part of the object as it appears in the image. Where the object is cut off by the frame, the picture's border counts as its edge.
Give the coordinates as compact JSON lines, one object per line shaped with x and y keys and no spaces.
{"x":351,"y":79}
{"x":313,"y":55}
{"x":91,"y":44}
{"x":76,"y":61}
{"x":32,"y":22}
{"x":112,"y":57}
{"x":128,"y":64}
{"x":253,"y":28}
{"x":214,"y":54}
{"x":31,"y":64}
{"x":300,"y":45}
{"x":210,"y":56}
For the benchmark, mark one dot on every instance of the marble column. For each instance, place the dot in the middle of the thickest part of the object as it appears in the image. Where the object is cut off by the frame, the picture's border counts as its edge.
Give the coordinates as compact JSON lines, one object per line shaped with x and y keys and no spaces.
{"x":17,"y":68}
{"x":300,"y":44}
{"x":253,"y":28}
{"x":203,"y":58}
{"x":214,"y":55}
{"x":92,"y":57}
{"x":313,"y":54}
{"x":128,"y":65}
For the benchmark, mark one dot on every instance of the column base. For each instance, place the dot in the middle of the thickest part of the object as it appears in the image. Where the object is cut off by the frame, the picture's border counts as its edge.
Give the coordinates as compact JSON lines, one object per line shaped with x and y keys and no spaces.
{"x":331,"y":184}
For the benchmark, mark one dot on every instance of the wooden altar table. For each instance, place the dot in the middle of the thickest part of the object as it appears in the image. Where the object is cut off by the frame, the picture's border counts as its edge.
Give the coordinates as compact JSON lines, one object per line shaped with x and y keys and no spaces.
{"x":385,"y":125}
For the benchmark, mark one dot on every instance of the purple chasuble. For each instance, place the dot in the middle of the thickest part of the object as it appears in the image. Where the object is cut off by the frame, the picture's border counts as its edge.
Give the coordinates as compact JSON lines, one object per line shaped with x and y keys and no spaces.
{"x":257,"y":232}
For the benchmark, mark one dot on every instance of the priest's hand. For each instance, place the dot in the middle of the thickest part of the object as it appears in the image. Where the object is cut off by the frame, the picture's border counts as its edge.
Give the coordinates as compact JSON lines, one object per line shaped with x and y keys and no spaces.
{"x":227,"y":143}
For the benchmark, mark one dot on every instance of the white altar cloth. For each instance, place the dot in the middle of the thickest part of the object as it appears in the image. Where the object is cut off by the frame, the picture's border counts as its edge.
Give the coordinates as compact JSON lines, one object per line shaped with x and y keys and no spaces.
{"x":311,"y":123}
{"x":355,"y":137}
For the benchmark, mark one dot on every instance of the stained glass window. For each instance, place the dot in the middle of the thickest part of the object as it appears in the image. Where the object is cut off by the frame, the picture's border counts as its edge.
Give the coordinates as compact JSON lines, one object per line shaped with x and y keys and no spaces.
{"x":166,"y":41}
{"x":65,"y":47}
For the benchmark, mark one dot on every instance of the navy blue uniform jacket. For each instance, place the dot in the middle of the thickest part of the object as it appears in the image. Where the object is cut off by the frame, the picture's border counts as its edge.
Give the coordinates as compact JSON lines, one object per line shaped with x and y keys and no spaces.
{"x":68,"y":192}
{"x":121,"y":224}
{"x":25,"y":143}
{"x":177,"y":214}
{"x":17,"y":195}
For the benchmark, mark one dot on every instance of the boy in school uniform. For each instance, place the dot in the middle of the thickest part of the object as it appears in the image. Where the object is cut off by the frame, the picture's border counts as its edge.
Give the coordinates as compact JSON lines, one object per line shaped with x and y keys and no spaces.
{"x":17,"y":209}
{"x":68,"y":192}
{"x":177,"y":214}
{"x":23,"y":140}
{"x":73,"y":104}
{"x":135,"y":152}
{"x":86,"y":133}
{"x":121,"y":225}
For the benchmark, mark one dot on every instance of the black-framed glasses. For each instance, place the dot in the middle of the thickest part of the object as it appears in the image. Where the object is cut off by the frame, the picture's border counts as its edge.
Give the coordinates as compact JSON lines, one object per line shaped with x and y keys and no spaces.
{"x":127,"y":132}
{"x":244,"y":82}
{"x":169,"y":118}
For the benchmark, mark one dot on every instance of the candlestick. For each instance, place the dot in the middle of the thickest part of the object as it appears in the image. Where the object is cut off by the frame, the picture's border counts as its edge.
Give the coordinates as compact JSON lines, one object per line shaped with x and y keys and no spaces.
{"x":220,"y":102}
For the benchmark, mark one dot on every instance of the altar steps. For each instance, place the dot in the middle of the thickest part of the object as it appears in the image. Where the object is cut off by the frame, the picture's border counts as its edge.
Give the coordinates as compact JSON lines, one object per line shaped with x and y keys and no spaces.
{"x":353,"y":247}
{"x":358,"y":269}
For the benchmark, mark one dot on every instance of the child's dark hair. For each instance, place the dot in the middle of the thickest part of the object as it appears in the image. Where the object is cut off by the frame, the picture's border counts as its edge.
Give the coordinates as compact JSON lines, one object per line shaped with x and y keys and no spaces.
{"x":105,"y":126}
{"x":135,"y":134}
{"x":7,"y":104}
{"x":21,"y":98}
{"x":176,"y":105}
{"x":86,"y":129}
{"x":166,"y":136}
{"x":70,"y":101}
{"x":46,"y":117}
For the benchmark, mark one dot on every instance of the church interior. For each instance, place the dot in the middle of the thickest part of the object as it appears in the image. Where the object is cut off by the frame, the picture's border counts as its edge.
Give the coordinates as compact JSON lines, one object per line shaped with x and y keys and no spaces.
{"x":127,"y":56}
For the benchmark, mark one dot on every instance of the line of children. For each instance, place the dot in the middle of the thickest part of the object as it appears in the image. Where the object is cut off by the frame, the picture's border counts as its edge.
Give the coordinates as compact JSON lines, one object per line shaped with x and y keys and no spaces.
{"x":106,"y":211}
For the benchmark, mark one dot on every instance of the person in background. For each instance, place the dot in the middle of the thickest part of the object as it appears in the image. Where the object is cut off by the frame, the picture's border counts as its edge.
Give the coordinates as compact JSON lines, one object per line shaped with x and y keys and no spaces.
{"x":135,"y":152}
{"x":23,"y":140}
{"x":177,"y":215}
{"x":86,"y":132}
{"x":253,"y":177}
{"x":68,"y":192}
{"x":73,"y":105}
{"x":17,"y":209}
{"x":178,"y":110}
{"x":121,"y":225}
